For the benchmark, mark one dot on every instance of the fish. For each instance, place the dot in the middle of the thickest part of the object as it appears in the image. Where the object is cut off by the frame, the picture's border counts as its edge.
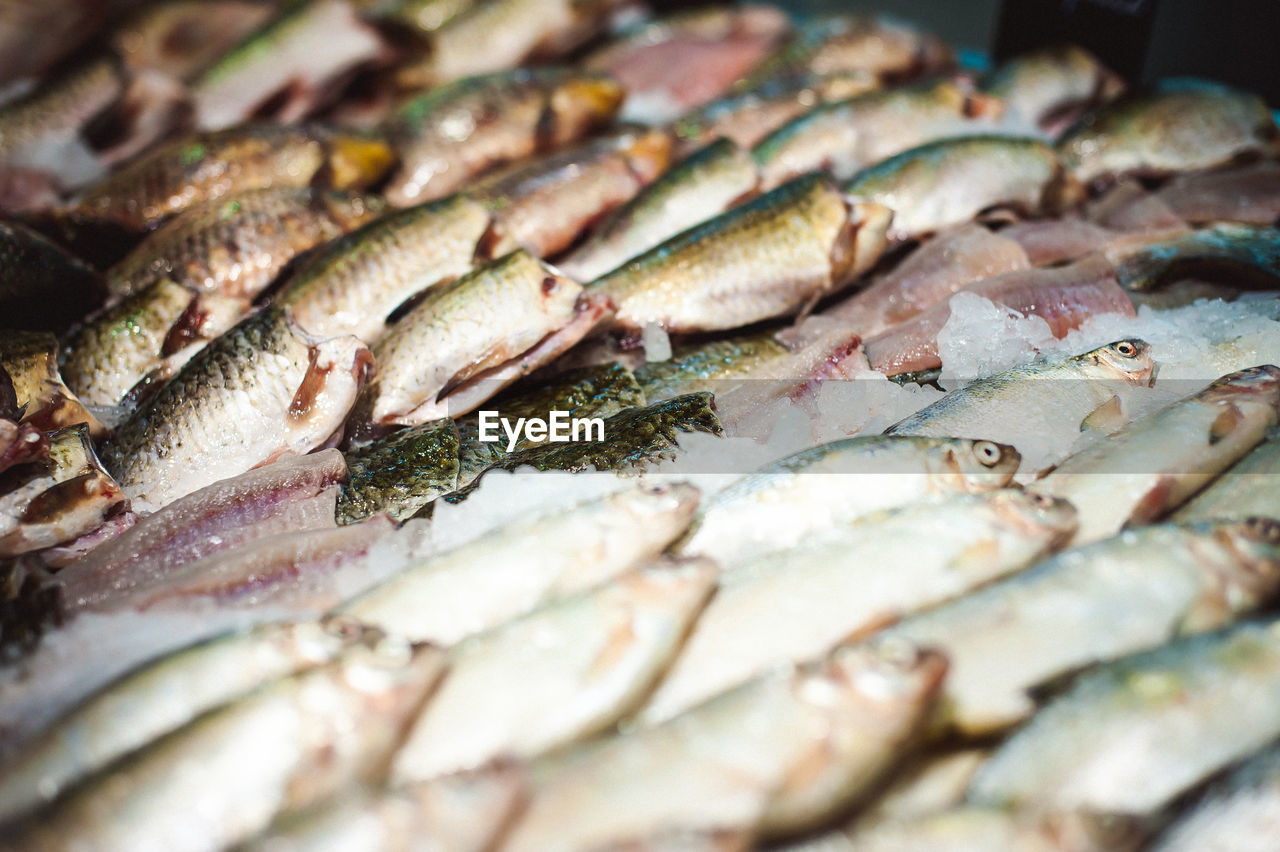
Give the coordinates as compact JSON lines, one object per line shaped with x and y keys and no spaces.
{"x":796,"y":605}
{"x":1089,"y":605}
{"x":1243,"y":256}
{"x":121,"y":353}
{"x":969,"y":828}
{"x":1151,"y":466}
{"x":939,"y":267}
{"x":307,"y":737}
{"x":286,"y":68}
{"x":468,"y":812}
{"x":1177,"y":125}
{"x":1249,"y":195}
{"x":847,"y":136}
{"x":44,"y":287}
{"x":775,"y":755}
{"x":545,"y":205}
{"x":789,"y":501}
{"x":181,"y":38}
{"x":468,"y":339}
{"x":711,"y":366}
{"x":203,"y":166}
{"x":763,"y":259}
{"x":1243,"y":490}
{"x":1043,"y":407}
{"x":1235,"y":813}
{"x":700,"y":186}
{"x":236,"y":245}
{"x":1047,"y":90}
{"x":31,"y":360}
{"x":517,"y":568}
{"x":585,"y":661}
{"x":1129,"y":736}
{"x":259,"y":391}
{"x":354,"y":282}
{"x":294,"y":494}
{"x":19,"y":442}
{"x":747,"y":117}
{"x":162,"y":696}
{"x":448,"y":135}
{"x":1064,"y":296}
{"x":950,"y":181}
{"x":61,"y":499}
{"x":934,"y":781}
{"x":401,"y":473}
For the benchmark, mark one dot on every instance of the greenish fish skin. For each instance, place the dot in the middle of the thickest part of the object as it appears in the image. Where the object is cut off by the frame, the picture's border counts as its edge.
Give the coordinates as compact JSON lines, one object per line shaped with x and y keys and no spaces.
{"x":1247,"y":256}
{"x":401,"y":473}
{"x":706,"y":366}
{"x":352,"y":284}
{"x":1178,"y":125}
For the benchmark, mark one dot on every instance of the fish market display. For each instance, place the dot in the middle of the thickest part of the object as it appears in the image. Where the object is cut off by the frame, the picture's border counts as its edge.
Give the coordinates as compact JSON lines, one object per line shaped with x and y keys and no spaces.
{"x":568,"y":425}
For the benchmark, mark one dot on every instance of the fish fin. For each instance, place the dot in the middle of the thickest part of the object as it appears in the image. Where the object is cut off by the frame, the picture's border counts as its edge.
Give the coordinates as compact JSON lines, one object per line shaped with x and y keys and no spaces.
{"x":1208,"y":613}
{"x":1154,"y":503}
{"x":1107,"y":417}
{"x":1225,"y":423}
{"x":808,"y":306}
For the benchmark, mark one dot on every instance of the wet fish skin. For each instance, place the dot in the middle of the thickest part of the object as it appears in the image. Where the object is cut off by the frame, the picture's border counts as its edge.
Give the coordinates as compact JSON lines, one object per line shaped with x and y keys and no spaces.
{"x":31,"y":360}
{"x":237,"y":245}
{"x":161,"y":697}
{"x":452,"y":595}
{"x":846,"y":581}
{"x":306,"y":736}
{"x":1129,"y":736}
{"x":352,"y":284}
{"x":1178,"y":125}
{"x":204,"y":166}
{"x":1043,"y":88}
{"x":1150,"y":467}
{"x":1241,"y":255}
{"x":401,"y":473}
{"x":702,"y":185}
{"x":257,"y":392}
{"x":1148,"y":586}
{"x":792,"y":499}
{"x":1235,"y":812}
{"x":766,"y":258}
{"x":707,"y":366}
{"x":586,"y":661}
{"x":950,"y":181}
{"x":452,"y":133}
{"x":44,"y":287}
{"x":1244,"y":490}
{"x":969,"y":828}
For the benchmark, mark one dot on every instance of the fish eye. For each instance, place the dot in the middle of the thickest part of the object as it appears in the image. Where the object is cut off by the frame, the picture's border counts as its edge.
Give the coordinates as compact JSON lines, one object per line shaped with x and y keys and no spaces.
{"x":988,"y":453}
{"x":549,"y":285}
{"x":1042,"y":501}
{"x":1127,"y":349}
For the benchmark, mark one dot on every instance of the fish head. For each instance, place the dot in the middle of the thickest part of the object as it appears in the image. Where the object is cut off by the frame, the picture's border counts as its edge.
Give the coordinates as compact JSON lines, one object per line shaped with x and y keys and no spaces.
{"x":862,"y":241}
{"x":1258,"y":384}
{"x":356,"y":160}
{"x":393,"y":673}
{"x":1129,"y":359}
{"x":888,"y":675}
{"x":1251,"y":574}
{"x":581,"y":102}
{"x":970,"y":466}
{"x":668,"y":504}
{"x":649,"y":153}
{"x":1039,"y":515}
{"x":352,"y":210}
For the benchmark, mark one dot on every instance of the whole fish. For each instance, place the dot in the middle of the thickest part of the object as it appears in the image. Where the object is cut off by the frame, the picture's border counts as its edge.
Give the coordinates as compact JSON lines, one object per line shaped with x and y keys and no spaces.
{"x":1236,"y":813}
{"x":59,"y":500}
{"x":1089,"y":605}
{"x":584,"y":662}
{"x":764,"y":259}
{"x":237,"y":245}
{"x":1248,"y":194}
{"x":950,"y":181}
{"x":797,"y":605}
{"x":181,"y":38}
{"x":1247,"y":488}
{"x":294,"y":494}
{"x":702,"y":185}
{"x":1045,"y":90}
{"x":846,"y":136}
{"x":467,"y":812}
{"x":1150,"y":467}
{"x":259,"y":391}
{"x":545,"y":205}
{"x":939,"y":267}
{"x":777,"y":754}
{"x":352,"y":284}
{"x":452,"y":133}
{"x":515,"y":569}
{"x":204,"y":166}
{"x":161,"y":697}
{"x":787,"y":502}
{"x":1043,"y":407}
{"x":1063,"y":296}
{"x":306,"y":738}
{"x":43,"y":287}
{"x":286,"y":68}
{"x":1178,"y":125}
{"x":468,"y":339}
{"x":1239,"y":255}
{"x":31,"y":360}
{"x":1129,"y":736}
{"x":401,"y":473}
{"x":748,"y":117}
{"x":712,"y":366}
